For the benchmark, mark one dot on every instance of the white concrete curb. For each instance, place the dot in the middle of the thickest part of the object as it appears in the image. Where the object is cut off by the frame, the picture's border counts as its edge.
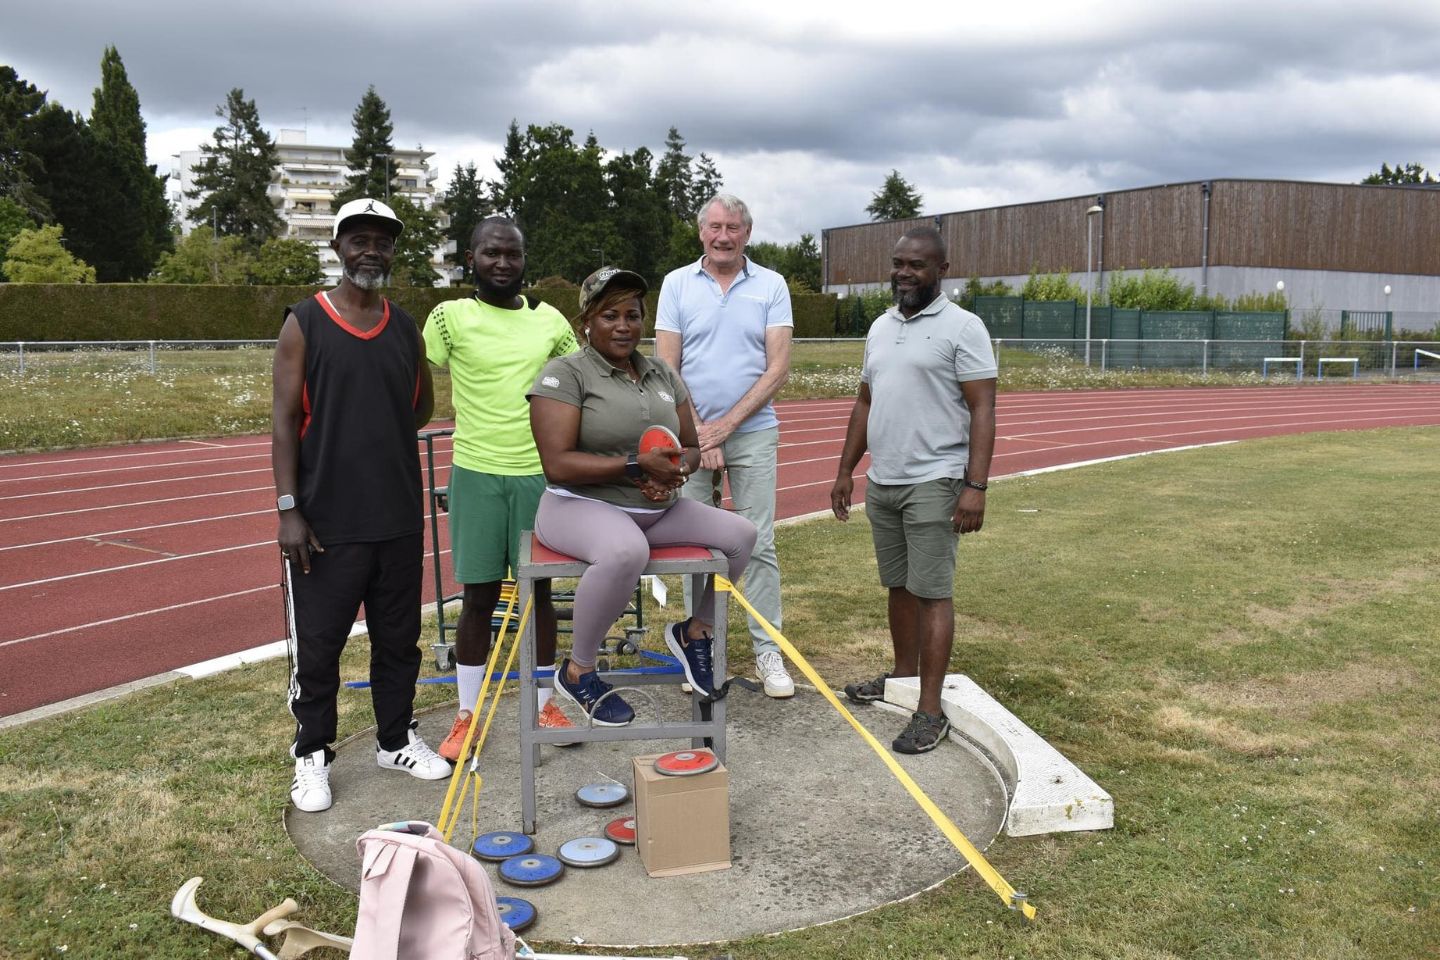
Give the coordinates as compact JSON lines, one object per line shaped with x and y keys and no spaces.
{"x":1048,"y":793}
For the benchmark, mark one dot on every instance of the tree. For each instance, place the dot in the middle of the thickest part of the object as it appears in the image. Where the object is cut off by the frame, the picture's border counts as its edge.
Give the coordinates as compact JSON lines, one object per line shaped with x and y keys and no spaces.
{"x":673,"y":178}
{"x":505,"y":194}
{"x":371,"y":153}
{"x":281,"y":261}
{"x":465,"y":203}
{"x":1401,"y":173}
{"x":204,"y":258}
{"x":38,"y":255}
{"x":13,"y":219}
{"x":232,"y":180}
{"x":413,"y":266}
{"x":798,"y":263}
{"x":895,"y":200}
{"x":138,"y":230}
{"x":21,"y":168}
{"x":706,"y":182}
{"x":639,"y":219}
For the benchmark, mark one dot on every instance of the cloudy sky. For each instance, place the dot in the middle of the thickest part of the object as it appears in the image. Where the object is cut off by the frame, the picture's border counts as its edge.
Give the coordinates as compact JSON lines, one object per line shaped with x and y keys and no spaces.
{"x":805,"y":106}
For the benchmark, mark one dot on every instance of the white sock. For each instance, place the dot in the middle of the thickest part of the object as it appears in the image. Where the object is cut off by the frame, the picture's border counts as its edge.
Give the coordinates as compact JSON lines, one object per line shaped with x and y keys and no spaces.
{"x":469,"y":679}
{"x":543,"y":694}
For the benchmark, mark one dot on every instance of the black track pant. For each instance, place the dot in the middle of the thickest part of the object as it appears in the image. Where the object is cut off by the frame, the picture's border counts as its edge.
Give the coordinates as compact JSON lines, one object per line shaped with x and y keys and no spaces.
{"x":386,"y":577}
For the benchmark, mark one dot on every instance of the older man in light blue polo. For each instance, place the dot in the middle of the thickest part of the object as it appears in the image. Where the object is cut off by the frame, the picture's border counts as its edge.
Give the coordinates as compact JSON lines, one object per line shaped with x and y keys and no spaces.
{"x":725,"y":323}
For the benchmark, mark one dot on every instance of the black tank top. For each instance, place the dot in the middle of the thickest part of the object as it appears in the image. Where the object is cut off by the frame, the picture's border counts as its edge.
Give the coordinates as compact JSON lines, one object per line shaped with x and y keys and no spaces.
{"x":359,"y":471}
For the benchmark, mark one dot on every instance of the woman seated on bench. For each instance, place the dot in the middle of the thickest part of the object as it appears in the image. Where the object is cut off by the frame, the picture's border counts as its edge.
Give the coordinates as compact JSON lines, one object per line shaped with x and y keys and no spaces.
{"x":606,"y":503}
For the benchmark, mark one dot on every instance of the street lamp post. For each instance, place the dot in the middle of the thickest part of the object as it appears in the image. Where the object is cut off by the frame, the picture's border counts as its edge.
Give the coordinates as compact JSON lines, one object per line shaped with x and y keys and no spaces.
{"x":1089,"y":271}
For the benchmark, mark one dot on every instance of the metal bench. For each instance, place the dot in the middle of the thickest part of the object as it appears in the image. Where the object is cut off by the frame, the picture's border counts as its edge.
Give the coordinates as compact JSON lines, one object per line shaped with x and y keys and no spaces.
{"x":707,"y":721}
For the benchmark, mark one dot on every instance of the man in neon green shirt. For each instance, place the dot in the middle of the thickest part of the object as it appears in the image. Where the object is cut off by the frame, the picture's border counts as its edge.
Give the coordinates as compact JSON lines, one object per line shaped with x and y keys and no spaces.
{"x":495,"y":344}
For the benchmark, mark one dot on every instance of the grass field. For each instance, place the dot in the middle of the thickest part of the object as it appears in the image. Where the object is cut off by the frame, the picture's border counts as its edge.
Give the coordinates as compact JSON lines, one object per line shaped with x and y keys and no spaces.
{"x":1238,"y":643}
{"x":99,"y":397}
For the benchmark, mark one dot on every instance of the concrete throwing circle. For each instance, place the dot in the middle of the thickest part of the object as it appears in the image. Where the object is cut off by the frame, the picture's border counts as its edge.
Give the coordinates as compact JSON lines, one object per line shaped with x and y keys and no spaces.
{"x":819,"y":829}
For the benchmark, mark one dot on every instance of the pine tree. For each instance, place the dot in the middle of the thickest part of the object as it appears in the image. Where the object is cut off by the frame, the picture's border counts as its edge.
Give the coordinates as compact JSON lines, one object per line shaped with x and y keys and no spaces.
{"x":79,"y":186}
{"x":507,"y":193}
{"x":232,"y":180}
{"x":673,"y":177}
{"x":895,"y":200}
{"x":707,"y":183}
{"x":465,"y":203}
{"x":21,"y":168}
{"x":412,"y":266}
{"x":141,"y":230}
{"x":371,"y":153}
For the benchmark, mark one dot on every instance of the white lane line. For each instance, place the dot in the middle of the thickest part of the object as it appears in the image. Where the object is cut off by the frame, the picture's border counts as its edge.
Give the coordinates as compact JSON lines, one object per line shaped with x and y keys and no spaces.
{"x":132,"y":616}
{"x":1276,"y":420}
{"x":205,"y":443}
{"x":143,"y":466}
{"x":124,"y":456}
{"x":135,"y":503}
{"x":154,"y":526}
{"x":135,"y":566}
{"x":133,"y":483}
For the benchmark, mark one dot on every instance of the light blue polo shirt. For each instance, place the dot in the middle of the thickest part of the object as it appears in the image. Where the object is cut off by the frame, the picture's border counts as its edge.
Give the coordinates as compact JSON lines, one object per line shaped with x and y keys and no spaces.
{"x":722,"y":335}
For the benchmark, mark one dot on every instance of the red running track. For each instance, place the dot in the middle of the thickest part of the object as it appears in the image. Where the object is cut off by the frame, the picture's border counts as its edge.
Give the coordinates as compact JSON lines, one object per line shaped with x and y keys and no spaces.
{"x":121,"y":563}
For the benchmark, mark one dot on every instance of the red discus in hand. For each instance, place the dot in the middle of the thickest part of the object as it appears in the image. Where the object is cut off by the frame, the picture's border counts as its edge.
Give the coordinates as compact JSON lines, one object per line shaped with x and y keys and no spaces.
{"x":660,"y":438}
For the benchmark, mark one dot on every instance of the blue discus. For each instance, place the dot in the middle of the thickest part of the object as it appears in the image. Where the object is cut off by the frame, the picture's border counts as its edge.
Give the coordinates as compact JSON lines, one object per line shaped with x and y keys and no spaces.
{"x":515,"y":913}
{"x":501,"y":845}
{"x":531,"y":870}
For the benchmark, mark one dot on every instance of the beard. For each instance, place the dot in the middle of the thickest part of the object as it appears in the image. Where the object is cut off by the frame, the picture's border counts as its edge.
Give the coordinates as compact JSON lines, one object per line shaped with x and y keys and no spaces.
{"x":492,"y":291}
{"x":367,"y":278}
{"x":915,"y":297}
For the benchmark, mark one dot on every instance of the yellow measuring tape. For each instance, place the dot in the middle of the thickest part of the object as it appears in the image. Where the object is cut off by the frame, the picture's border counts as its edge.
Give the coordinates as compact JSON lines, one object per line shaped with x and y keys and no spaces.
{"x":466,"y":774}
{"x":1008,"y":894}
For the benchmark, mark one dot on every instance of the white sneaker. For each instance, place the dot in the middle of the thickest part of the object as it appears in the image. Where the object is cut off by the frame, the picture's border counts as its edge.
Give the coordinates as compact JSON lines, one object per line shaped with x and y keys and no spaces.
{"x":415,"y":758}
{"x":770,"y":668}
{"x":310,"y":790}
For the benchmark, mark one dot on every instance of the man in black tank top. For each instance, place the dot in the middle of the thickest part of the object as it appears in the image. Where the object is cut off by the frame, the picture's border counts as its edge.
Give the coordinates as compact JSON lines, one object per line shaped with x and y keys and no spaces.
{"x":351,"y":387}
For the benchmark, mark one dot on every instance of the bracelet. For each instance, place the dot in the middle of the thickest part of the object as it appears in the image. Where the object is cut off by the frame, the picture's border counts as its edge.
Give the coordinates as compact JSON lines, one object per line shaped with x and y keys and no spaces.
{"x":975,"y":486}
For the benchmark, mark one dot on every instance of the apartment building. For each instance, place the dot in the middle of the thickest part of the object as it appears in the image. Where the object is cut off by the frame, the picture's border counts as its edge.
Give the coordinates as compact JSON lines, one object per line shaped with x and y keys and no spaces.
{"x":306,"y":181}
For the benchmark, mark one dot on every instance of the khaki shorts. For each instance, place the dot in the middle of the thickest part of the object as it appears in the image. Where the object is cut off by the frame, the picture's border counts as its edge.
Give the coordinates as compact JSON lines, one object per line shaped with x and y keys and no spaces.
{"x":913,"y":526}
{"x":487,"y":513}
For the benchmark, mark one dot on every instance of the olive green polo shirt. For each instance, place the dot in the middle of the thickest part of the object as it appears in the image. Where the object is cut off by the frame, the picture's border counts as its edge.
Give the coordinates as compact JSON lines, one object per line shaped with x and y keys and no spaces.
{"x":614,"y":411}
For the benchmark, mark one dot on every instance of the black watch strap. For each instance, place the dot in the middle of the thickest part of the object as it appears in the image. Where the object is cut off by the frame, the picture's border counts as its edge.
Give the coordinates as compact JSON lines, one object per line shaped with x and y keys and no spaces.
{"x":632,"y":466}
{"x":975,"y":486}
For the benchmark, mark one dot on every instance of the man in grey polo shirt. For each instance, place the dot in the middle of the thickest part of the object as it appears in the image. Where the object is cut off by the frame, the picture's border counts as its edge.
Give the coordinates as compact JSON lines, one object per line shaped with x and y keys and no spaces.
{"x":926,"y":412}
{"x":725,"y":323}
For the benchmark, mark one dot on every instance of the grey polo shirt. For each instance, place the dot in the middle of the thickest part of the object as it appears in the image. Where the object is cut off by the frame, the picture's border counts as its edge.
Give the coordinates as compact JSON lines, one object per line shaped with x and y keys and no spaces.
{"x":919,"y":426}
{"x":614,"y":411}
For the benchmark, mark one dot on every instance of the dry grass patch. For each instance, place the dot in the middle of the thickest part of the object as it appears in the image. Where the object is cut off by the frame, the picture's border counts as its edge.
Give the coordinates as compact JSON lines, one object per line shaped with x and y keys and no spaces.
{"x":1175,"y":720}
{"x":1298,"y":691}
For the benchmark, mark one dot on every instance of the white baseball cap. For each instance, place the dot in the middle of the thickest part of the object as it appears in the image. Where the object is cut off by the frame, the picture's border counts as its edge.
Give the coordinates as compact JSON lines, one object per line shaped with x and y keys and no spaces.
{"x":365,"y":208}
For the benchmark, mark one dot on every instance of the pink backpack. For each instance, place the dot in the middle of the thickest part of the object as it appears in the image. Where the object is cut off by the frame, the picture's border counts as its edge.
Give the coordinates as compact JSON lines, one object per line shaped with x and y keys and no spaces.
{"x":421,"y":899}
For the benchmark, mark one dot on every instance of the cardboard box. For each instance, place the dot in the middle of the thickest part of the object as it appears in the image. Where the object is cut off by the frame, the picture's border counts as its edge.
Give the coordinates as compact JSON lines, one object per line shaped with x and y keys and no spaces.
{"x":682,"y":824}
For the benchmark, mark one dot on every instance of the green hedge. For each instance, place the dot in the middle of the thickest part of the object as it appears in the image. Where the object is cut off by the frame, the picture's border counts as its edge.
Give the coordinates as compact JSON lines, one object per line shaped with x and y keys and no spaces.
{"x":150,"y":311}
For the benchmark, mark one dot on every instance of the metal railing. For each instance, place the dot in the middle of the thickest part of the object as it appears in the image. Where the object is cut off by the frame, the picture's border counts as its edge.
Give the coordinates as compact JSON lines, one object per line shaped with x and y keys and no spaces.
{"x":1297,"y":359}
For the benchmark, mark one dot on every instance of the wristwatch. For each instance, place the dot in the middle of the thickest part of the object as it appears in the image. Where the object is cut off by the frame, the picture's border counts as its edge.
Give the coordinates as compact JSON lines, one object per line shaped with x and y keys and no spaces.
{"x":975,"y":486}
{"x":285,"y":502}
{"x":632,"y":467}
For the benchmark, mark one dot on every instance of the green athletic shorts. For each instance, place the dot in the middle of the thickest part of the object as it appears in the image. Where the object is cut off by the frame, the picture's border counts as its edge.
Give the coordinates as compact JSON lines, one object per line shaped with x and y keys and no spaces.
{"x":487,"y":513}
{"x":913,"y":526}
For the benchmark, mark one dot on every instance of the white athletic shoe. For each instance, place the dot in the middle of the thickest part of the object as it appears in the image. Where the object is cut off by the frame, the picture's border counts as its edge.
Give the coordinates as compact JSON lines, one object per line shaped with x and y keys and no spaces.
{"x":310,"y":791}
{"x":415,"y":758}
{"x":770,"y":668}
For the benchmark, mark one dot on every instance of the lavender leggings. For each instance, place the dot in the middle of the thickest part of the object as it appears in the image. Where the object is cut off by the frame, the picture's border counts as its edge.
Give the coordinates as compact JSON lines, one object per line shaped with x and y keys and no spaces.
{"x":617,"y":546}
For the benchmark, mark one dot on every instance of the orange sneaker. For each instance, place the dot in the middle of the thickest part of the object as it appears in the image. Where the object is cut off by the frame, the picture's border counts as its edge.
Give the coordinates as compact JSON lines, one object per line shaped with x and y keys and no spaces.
{"x":455,"y":739}
{"x":553,"y":718}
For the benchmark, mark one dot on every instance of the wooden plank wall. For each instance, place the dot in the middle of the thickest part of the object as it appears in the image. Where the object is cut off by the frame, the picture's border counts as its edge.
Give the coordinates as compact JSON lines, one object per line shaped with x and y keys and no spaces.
{"x":1306,"y":226}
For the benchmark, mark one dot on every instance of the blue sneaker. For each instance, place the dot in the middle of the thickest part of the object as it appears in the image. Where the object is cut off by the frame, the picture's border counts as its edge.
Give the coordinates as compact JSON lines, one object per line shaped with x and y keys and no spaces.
{"x":694,"y":656}
{"x":588,"y":693}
